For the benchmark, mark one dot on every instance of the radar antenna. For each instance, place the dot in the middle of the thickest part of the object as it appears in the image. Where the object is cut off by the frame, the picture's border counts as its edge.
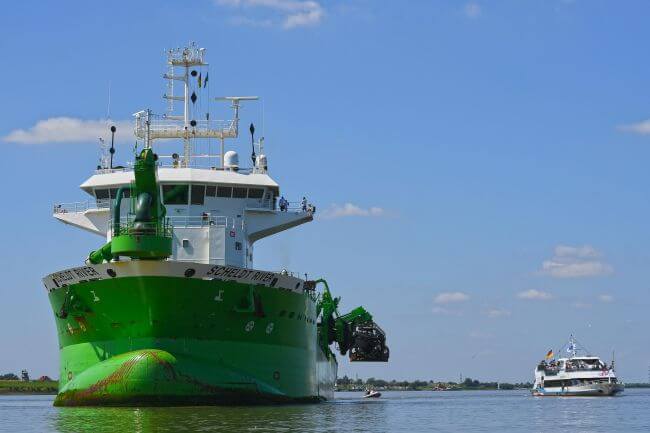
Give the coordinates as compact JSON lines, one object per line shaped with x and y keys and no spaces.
{"x":183,"y":63}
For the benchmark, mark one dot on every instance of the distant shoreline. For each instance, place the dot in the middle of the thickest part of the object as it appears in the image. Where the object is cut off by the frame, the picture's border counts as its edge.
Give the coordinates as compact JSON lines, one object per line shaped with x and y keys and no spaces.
{"x":468,"y":385}
{"x":36,"y":387}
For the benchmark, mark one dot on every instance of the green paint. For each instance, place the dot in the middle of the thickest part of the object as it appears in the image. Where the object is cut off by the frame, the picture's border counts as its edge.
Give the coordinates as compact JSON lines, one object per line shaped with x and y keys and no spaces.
{"x":170,"y":340}
{"x":146,"y":233}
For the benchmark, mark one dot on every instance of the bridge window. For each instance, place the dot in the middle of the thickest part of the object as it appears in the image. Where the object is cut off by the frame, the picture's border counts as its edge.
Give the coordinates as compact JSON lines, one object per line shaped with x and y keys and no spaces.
{"x":210,"y":191}
{"x":224,"y":191}
{"x":239,"y":193}
{"x":101,"y":194}
{"x":255,"y":193}
{"x":198,"y":194}
{"x":175,"y":194}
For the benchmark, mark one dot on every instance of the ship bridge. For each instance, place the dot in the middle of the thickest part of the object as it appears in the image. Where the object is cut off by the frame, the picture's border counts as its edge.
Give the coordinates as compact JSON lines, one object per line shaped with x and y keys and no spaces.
{"x":217,"y":215}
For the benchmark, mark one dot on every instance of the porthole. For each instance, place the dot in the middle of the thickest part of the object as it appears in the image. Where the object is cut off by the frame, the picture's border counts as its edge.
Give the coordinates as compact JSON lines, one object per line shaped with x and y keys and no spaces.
{"x":189,"y":272}
{"x":111,"y":272}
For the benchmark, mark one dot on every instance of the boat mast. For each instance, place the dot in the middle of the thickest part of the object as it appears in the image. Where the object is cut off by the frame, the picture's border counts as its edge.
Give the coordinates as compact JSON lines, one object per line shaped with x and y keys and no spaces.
{"x":151,"y":127}
{"x":183,"y":58}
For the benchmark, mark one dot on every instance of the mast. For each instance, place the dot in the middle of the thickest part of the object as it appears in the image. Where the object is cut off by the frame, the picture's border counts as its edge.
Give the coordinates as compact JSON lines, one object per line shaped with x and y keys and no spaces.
{"x":182,"y":65}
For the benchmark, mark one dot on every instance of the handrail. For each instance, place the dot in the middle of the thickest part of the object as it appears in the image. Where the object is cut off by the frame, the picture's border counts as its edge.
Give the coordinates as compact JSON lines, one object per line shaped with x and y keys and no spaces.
{"x":81,"y":206}
{"x":128,"y":226}
{"x":201,"y":221}
{"x":196,"y":163}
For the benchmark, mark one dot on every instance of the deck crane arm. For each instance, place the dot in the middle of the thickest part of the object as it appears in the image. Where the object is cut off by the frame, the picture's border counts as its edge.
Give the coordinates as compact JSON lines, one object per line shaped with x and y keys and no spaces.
{"x":354,"y":332}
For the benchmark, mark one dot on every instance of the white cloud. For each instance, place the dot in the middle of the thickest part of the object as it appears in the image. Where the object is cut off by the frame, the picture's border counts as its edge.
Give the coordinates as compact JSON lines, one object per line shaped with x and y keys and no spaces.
{"x":70,"y":130}
{"x":495,"y":313}
{"x":472,"y":10}
{"x":576,"y":262}
{"x":349,"y":209}
{"x":605,"y":298}
{"x":449,"y":297}
{"x":445,"y":311}
{"x":535,"y":295}
{"x":585,"y":251}
{"x":642,"y":127}
{"x":440,"y":310}
{"x":292,"y":13}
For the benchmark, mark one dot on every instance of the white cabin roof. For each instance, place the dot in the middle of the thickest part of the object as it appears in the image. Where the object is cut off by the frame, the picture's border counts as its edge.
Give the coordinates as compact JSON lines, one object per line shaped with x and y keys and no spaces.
{"x":185,"y":175}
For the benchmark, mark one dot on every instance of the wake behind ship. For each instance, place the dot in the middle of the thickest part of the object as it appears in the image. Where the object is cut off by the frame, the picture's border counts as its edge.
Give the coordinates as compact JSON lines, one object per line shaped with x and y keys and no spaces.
{"x":170,"y":310}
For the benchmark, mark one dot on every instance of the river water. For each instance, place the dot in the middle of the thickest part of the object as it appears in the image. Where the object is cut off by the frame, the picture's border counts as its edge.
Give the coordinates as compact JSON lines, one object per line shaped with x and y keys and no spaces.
{"x":412,"y":412}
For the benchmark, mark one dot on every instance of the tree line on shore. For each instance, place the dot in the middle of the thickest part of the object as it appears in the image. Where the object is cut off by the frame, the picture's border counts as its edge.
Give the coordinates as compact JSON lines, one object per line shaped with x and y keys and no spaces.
{"x":346,"y":383}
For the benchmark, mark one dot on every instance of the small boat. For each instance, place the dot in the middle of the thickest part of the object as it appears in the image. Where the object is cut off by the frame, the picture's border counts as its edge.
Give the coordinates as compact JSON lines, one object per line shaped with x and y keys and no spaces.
{"x":371,"y":393}
{"x":576,"y":375}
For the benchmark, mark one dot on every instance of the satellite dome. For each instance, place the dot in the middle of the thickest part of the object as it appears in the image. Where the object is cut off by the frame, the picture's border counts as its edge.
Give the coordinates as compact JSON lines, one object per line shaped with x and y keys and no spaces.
{"x":231,"y":160}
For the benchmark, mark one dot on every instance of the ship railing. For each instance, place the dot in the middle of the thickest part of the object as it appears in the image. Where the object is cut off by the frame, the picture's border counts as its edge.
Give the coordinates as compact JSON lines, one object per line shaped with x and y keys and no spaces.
{"x":594,"y":368}
{"x":201,"y":221}
{"x":161,"y":127}
{"x":295,"y":274}
{"x":273,"y":204}
{"x":262,"y":204}
{"x":297,"y":207}
{"x":80,"y":206}
{"x":194,"y":163}
{"x":129,"y":226}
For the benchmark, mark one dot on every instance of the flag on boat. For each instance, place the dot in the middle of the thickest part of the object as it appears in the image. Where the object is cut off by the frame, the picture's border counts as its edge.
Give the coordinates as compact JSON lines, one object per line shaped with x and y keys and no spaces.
{"x":200,"y":80}
{"x":550,"y":354}
{"x":205,"y":83}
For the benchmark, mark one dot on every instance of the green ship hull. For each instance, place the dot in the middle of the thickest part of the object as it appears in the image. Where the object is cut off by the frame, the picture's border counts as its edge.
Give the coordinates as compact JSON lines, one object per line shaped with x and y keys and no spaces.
{"x":173,"y":333}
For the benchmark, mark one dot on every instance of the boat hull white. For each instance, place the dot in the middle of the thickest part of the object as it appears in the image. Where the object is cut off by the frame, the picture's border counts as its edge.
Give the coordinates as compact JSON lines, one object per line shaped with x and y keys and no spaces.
{"x":591,"y":390}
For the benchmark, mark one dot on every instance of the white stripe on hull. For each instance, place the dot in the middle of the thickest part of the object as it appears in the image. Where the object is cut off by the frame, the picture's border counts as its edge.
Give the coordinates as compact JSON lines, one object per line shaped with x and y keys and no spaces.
{"x":597,"y":390}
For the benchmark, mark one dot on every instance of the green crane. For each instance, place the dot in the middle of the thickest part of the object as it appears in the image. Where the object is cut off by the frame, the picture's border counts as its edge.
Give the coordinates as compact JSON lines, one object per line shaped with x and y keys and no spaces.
{"x":145,"y":234}
{"x":354,"y":332}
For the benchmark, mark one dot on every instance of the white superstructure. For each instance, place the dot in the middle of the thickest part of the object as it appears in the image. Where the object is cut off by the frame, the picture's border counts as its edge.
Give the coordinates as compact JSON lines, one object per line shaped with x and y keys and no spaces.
{"x":218,"y":208}
{"x":575,"y":375}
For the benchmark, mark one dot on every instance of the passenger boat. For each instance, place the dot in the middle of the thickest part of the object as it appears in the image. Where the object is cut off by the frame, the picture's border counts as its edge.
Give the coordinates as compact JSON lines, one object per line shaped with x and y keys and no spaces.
{"x":576,"y":375}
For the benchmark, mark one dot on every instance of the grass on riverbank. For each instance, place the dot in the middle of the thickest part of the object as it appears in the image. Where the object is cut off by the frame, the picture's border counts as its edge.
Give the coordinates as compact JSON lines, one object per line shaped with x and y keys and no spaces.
{"x":31,"y":387}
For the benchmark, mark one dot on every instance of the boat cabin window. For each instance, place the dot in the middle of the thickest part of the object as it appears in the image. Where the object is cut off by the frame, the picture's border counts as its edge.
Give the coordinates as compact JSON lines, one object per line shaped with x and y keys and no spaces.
{"x":239,"y":192}
{"x":224,"y":191}
{"x":210,"y":191}
{"x":175,"y":194}
{"x":125,"y":194}
{"x":255,"y":193}
{"x":101,"y":194}
{"x":198,"y":194}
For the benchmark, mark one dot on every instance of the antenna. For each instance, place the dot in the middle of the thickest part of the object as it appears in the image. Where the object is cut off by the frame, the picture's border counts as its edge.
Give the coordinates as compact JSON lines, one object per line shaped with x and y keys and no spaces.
{"x":112,"y":149}
{"x":252,"y":130}
{"x":108,"y":108}
{"x":103,"y":154}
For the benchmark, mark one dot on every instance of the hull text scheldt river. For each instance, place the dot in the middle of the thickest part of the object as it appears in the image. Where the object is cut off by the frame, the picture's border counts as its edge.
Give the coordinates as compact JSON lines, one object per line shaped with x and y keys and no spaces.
{"x":170,"y":309}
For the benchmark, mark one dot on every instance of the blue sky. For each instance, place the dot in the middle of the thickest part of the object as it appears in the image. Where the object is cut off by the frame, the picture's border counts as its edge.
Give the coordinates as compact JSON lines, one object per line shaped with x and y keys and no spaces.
{"x":480,"y":167}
